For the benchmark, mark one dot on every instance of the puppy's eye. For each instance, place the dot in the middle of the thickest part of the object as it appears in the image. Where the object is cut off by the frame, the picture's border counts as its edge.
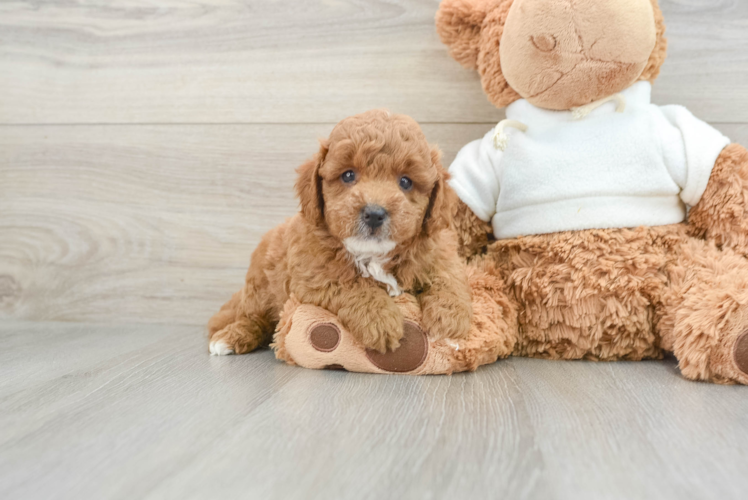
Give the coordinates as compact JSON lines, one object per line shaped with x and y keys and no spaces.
{"x":406,"y":184}
{"x":348,"y":176}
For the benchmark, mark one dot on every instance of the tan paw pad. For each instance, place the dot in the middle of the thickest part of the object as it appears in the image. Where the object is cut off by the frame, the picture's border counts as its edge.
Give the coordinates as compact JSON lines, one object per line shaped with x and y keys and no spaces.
{"x":324,"y":337}
{"x":410,"y":355}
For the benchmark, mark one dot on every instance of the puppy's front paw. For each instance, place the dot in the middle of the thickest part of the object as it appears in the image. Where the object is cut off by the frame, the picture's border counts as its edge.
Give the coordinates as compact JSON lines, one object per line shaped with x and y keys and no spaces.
{"x":444,"y":319}
{"x":385,"y":332}
{"x":379,"y":327}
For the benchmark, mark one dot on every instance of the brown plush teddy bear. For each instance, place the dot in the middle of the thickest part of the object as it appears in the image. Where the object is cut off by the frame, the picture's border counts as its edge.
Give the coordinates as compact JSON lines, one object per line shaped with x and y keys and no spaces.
{"x":617,"y":227}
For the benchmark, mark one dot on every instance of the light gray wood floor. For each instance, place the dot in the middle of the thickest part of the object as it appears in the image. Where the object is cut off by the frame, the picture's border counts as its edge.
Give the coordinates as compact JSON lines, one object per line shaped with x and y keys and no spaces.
{"x":95,"y":411}
{"x":147,"y":145}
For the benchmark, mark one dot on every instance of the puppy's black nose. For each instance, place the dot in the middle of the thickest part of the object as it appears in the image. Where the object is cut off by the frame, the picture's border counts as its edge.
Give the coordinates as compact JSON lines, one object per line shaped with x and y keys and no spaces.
{"x":374,"y":216}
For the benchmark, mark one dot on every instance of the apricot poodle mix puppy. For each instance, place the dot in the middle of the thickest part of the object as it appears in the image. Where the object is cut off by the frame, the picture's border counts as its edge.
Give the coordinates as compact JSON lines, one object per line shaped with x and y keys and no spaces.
{"x":374,"y":223}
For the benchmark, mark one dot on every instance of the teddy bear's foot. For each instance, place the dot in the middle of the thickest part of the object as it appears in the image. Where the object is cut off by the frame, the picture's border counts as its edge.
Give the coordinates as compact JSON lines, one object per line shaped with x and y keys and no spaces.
{"x":725,"y":362}
{"x":728,"y":363}
{"x":316,"y":339}
{"x":706,"y":323}
{"x":412,"y":353}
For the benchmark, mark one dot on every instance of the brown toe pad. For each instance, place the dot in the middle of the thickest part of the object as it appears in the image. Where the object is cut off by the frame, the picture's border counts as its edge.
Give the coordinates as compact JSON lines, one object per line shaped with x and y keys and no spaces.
{"x":741,"y":352}
{"x":410,"y":355}
{"x":324,"y":337}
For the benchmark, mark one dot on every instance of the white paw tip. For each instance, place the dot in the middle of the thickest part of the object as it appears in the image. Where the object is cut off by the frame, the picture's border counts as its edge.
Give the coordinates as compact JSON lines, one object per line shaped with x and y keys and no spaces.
{"x":218,"y":348}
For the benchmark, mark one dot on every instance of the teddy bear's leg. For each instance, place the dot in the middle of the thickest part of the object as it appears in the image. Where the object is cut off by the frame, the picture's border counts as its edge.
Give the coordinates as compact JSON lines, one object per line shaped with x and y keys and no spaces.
{"x":722,"y":214}
{"x":585,"y":294}
{"x":473,"y":234}
{"x":312,"y":337}
{"x":704,"y":313}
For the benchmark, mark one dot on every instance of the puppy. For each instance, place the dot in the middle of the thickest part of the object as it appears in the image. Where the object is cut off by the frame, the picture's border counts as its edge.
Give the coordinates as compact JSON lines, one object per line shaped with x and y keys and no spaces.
{"x":374,"y":223}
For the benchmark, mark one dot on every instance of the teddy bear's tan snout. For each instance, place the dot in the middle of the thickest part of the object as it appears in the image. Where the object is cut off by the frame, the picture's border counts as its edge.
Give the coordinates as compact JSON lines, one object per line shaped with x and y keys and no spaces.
{"x":560,"y":54}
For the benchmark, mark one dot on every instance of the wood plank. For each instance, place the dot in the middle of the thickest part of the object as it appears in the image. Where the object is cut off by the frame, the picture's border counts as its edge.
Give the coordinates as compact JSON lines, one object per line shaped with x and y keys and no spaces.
{"x":144,"y":412}
{"x":32,"y":354}
{"x":288,"y":61}
{"x":463,"y":436}
{"x":149,"y":223}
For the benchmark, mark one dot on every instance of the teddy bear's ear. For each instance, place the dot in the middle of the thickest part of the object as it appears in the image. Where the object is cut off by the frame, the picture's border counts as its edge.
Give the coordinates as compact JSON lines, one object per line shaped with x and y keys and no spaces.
{"x":652,"y":70}
{"x":459,"y":24}
{"x":497,"y":89}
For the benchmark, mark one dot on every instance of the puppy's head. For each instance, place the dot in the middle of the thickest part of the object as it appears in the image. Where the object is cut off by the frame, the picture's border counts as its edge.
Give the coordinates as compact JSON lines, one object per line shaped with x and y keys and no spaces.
{"x":375,"y":182}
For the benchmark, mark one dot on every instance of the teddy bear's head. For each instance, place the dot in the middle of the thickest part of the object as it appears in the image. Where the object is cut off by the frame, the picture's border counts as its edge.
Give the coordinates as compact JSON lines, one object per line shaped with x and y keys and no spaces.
{"x":557,"y":54}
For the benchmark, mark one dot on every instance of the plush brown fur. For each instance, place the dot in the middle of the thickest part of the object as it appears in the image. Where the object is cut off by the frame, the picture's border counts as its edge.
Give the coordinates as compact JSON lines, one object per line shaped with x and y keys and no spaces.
{"x":473,"y":234}
{"x":615,"y":293}
{"x":625,"y":294}
{"x":306,"y":257}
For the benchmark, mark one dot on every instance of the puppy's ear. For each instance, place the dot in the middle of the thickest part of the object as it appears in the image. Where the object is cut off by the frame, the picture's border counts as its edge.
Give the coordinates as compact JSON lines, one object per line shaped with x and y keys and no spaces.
{"x":459,"y":24}
{"x":309,"y":186}
{"x":442,"y":201}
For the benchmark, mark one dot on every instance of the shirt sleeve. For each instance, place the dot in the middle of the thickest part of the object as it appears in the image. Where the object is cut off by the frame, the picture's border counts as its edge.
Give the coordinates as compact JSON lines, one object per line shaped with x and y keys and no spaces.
{"x":474,"y":176}
{"x":691,"y":148}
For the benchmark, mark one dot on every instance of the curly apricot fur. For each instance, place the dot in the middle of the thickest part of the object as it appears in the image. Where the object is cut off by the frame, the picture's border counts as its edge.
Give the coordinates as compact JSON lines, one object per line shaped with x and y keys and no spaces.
{"x":305,"y":257}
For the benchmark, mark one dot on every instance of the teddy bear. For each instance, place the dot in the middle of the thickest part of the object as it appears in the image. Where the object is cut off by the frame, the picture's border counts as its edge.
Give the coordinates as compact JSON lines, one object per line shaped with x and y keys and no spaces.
{"x":595,"y":224}
{"x":617,"y":227}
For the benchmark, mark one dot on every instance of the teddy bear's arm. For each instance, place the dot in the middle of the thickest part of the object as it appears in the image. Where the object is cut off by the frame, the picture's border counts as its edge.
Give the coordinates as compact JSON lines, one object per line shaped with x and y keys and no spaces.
{"x":364,"y":308}
{"x":473,"y":234}
{"x":721,"y":215}
{"x":473,"y":178}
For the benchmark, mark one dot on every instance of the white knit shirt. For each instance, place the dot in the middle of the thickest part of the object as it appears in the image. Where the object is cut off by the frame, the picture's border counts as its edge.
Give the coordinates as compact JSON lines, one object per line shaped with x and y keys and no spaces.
{"x":640,"y":167}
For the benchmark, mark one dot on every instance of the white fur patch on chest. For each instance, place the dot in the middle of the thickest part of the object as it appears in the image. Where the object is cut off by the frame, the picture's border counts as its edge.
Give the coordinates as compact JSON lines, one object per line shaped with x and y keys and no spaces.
{"x":370,"y":256}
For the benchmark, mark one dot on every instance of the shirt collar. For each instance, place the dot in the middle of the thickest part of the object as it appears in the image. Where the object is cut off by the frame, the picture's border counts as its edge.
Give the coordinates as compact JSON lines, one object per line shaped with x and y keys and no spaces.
{"x":637,"y":96}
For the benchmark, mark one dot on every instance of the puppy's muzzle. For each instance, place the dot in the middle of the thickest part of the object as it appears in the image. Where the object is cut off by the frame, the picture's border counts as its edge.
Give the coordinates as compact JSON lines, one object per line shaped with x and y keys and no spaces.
{"x":374,"y":216}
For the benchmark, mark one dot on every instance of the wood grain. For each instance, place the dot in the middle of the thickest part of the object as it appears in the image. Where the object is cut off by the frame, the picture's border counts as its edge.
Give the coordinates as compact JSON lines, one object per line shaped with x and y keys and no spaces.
{"x":638,"y":425}
{"x":94,"y":411}
{"x":286,"y":61}
{"x":145,"y":223}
